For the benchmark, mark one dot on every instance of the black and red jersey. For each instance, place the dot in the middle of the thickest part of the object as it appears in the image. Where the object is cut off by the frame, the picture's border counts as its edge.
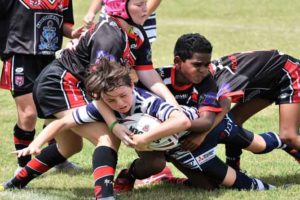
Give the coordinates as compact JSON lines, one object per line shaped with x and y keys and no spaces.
{"x":34,"y":27}
{"x":202,"y":96}
{"x":109,"y":39}
{"x":252,"y":72}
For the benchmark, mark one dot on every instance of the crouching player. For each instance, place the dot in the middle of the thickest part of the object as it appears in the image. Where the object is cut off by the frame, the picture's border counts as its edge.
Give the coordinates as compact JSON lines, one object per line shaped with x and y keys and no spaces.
{"x":190,"y":78}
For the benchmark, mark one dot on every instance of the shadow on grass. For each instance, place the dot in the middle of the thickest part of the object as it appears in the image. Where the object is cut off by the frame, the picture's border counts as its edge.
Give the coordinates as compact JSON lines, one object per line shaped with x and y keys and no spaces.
{"x":283,"y":180}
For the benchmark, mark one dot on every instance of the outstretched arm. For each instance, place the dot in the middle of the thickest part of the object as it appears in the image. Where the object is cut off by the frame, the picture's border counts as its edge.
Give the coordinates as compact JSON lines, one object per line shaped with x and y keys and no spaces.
{"x":47,"y":134}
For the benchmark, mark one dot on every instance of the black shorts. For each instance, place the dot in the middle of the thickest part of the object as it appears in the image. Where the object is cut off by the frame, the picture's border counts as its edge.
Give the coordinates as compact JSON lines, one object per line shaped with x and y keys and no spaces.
{"x":226,"y":132}
{"x":284,"y":88}
{"x":20,"y":71}
{"x":56,"y":90}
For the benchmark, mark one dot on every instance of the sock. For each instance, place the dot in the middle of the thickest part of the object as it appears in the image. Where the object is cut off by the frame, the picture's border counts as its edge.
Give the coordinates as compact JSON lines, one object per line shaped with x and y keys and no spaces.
{"x":233,"y":157}
{"x":22,"y":139}
{"x":104,"y":166}
{"x":272,"y":142}
{"x":243,"y":182}
{"x":48,"y":158}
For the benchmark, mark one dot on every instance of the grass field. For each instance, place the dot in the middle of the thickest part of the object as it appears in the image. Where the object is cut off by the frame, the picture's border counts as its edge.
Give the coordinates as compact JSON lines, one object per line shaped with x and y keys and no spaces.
{"x":231,"y":26}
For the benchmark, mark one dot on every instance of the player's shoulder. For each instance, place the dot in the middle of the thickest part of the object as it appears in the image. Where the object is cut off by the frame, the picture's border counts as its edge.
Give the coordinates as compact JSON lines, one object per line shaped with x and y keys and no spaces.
{"x":107,"y":28}
{"x":164,"y":71}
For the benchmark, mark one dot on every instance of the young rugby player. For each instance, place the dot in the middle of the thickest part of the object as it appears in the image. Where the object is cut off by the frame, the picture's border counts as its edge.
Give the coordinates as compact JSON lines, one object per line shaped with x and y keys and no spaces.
{"x":192,"y":56}
{"x":264,"y":77}
{"x":59,"y":88}
{"x":34,"y":31}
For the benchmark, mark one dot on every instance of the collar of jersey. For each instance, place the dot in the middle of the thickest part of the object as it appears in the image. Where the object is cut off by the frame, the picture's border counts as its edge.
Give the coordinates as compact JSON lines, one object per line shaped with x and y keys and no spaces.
{"x":130,"y":33}
{"x":179,"y":88}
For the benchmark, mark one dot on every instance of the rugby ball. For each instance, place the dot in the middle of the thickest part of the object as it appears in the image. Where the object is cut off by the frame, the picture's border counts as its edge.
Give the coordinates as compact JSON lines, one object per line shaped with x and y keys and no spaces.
{"x":141,"y":123}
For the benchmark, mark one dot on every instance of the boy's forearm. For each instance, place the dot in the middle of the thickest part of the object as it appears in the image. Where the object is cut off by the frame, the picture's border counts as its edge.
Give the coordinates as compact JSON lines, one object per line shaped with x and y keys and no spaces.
{"x":106,"y":112}
{"x":152,"y":5}
{"x":95,"y":7}
{"x":169,"y":127}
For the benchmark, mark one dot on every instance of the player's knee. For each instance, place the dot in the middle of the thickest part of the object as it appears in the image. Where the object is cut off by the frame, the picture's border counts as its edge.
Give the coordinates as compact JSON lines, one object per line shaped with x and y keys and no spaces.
{"x":79,"y":146}
{"x":157,"y":165}
{"x":27,"y":120}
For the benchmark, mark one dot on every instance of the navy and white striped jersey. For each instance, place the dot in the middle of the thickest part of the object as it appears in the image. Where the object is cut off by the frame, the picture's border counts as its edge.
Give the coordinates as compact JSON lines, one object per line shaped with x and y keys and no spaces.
{"x":144,"y":102}
{"x":150,"y":27}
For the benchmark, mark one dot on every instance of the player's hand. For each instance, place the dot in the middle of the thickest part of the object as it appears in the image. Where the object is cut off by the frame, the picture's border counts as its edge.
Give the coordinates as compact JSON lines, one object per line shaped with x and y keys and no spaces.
{"x":140,"y":144}
{"x":88,"y":20}
{"x":76,"y":33}
{"x":30,"y":150}
{"x":124,"y":134}
{"x":192,"y":142}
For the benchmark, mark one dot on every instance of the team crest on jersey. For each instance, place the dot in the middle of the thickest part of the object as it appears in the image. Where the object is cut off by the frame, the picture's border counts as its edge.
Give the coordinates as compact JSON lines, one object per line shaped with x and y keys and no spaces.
{"x":19,"y":80}
{"x":47,"y":27}
{"x":49,"y":38}
{"x":44,"y":4}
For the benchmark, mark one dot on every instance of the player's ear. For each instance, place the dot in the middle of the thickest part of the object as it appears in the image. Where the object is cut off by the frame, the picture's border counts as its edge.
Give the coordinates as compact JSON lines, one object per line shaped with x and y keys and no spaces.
{"x":177,"y":61}
{"x":132,"y":85}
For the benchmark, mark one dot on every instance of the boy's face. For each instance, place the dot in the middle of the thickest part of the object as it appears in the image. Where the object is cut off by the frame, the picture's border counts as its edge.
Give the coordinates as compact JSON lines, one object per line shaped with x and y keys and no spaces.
{"x":120,"y":99}
{"x":195,"y":69}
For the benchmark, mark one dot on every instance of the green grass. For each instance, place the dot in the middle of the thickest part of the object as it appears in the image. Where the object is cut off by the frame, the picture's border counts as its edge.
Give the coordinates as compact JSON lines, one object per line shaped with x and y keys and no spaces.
{"x":231,"y":26}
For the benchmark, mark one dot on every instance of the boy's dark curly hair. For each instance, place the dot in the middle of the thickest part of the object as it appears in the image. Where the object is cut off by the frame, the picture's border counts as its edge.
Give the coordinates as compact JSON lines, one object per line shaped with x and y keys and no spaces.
{"x":191,"y":43}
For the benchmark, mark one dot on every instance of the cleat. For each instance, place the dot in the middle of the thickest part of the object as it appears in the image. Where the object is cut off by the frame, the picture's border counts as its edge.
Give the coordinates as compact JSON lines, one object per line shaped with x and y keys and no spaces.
{"x":7,"y":186}
{"x":67,"y":166}
{"x":124,"y":182}
{"x":164,"y":174}
{"x":176,"y":181}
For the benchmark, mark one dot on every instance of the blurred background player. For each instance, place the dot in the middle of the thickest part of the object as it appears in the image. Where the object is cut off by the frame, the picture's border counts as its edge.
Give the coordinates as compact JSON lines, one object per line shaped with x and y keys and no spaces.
{"x":149,"y":25}
{"x":33,"y":32}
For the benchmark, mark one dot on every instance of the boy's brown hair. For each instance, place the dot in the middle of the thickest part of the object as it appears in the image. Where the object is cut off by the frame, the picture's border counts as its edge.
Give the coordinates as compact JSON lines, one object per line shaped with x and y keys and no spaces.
{"x":105,"y":76}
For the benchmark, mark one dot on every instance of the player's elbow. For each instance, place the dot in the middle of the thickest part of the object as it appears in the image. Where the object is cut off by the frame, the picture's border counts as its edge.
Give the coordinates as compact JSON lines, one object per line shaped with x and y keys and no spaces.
{"x":185,"y":123}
